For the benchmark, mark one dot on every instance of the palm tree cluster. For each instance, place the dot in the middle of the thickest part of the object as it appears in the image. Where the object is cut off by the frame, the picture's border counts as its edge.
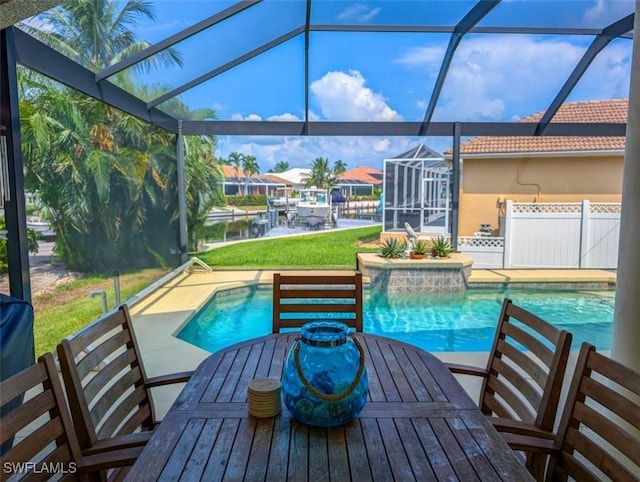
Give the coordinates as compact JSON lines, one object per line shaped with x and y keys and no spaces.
{"x":249,"y":165}
{"x":109,"y":180}
{"x":322,"y":175}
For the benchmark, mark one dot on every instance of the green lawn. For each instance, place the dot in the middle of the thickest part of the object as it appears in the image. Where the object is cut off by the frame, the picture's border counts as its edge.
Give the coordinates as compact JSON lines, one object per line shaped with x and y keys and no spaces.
{"x":67,"y":308}
{"x":335,"y":249}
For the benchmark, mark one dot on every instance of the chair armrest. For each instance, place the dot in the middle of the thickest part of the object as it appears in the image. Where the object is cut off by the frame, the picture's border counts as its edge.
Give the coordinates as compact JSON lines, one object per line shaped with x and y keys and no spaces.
{"x":118,"y":442}
{"x":531,"y":444}
{"x":506,"y":425}
{"x":467,"y":370}
{"x":169,"y":379}
{"x":109,"y":460}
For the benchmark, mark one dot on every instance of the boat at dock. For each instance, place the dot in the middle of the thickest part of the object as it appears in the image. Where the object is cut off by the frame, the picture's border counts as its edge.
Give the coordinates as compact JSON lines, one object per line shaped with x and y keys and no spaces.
{"x":313,"y":207}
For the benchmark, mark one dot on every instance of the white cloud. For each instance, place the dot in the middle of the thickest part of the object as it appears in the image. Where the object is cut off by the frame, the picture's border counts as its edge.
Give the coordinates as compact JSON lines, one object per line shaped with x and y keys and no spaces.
{"x":358,"y":13}
{"x":419,"y":56}
{"x":250,"y":117}
{"x":608,"y":75}
{"x":491,"y":77}
{"x":344,"y":97}
{"x":605,"y":12}
{"x":284,"y":117}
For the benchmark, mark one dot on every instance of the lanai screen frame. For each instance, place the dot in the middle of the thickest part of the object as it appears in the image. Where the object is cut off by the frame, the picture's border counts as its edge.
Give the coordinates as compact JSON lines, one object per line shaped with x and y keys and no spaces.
{"x":18,"y":47}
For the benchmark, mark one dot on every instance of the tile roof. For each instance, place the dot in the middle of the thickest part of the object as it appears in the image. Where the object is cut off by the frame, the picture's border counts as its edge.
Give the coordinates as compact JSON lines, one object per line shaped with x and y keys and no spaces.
{"x":614,"y":111}
{"x":364,"y":173}
{"x":230,"y":171}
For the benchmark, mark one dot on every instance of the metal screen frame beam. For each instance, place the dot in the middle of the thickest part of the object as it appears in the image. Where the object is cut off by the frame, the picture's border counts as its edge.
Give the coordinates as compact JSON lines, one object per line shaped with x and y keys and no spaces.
{"x":473,"y":16}
{"x":611,"y":32}
{"x":411,"y":129}
{"x":40,"y":57}
{"x":175,"y":38}
{"x":223,"y":68}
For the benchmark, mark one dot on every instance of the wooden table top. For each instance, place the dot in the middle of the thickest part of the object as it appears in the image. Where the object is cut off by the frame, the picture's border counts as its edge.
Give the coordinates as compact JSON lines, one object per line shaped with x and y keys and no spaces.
{"x":418,"y":424}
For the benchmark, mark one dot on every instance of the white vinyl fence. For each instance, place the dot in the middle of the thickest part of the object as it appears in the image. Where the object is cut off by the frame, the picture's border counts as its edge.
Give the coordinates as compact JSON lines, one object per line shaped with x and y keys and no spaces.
{"x":550,"y":235}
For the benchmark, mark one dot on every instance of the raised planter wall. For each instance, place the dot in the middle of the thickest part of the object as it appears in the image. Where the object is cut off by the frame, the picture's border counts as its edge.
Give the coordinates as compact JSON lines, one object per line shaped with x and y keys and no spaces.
{"x":416,"y":275}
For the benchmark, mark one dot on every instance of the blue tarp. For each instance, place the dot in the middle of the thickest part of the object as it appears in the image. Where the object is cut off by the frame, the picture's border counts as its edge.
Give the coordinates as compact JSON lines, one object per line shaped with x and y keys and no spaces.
{"x":16,"y":344}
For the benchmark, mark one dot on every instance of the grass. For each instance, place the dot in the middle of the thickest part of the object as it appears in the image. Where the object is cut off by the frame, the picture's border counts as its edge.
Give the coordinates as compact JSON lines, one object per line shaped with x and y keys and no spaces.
{"x":66,"y":308}
{"x":335,"y":249}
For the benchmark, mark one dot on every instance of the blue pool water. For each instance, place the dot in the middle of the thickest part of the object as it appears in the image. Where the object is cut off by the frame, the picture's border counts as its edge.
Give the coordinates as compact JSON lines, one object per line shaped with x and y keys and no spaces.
{"x":434,"y":321}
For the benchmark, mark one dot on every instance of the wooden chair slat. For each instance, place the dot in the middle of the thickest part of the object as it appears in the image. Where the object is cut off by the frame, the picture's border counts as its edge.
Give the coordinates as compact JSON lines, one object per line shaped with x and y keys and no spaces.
{"x":622,"y":375}
{"x":611,"y":432}
{"x":108,"y":373}
{"x":512,"y":400}
{"x":530,"y":342}
{"x":125,"y":409}
{"x":596,"y":454}
{"x":114,"y":396}
{"x":22,"y":382}
{"x":536,"y":371}
{"x":96,"y":330}
{"x":496,"y":407}
{"x":569,"y":466}
{"x":24,"y":414}
{"x":316,"y":308}
{"x":314,"y":289}
{"x":99,"y":353}
{"x":536,"y":323}
{"x":317,"y":293}
{"x":38,"y":439}
{"x":605,"y":396}
{"x":521,"y":384}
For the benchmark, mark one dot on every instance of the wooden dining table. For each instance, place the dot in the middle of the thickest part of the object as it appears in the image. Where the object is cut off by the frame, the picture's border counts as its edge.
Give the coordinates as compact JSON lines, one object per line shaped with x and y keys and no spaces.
{"x":418,"y":424}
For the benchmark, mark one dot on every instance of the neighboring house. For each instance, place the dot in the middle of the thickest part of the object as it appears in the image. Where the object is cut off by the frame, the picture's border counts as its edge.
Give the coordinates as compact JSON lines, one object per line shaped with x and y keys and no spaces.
{"x":541,"y":169}
{"x":367,"y":174}
{"x":295,"y":177}
{"x":237,"y":183}
{"x":349,"y":185}
{"x":361,"y":180}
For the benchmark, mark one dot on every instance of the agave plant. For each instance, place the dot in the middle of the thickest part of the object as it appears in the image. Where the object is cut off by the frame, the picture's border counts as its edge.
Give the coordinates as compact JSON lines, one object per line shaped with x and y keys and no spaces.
{"x":420,"y":247}
{"x":440,"y":247}
{"x":392,"y":248}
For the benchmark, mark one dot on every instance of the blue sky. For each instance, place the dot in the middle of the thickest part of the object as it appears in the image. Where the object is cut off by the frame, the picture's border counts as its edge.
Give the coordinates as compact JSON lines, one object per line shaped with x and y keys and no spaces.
{"x":382,"y":76}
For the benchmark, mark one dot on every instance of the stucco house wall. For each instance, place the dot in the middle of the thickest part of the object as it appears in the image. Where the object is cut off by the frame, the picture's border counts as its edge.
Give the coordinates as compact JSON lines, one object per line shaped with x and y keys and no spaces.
{"x":564,"y":177}
{"x":541,"y":169}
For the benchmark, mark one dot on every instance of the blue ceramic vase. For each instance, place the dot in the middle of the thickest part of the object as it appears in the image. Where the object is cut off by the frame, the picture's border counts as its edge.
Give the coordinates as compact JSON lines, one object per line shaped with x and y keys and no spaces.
{"x":325,"y":382}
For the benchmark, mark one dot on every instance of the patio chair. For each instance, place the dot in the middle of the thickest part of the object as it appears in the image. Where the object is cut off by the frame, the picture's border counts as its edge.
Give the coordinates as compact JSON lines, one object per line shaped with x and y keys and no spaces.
{"x":599,"y":433}
{"x":524,"y":374}
{"x":45,"y":444}
{"x":300,"y":298}
{"x":107,"y":387}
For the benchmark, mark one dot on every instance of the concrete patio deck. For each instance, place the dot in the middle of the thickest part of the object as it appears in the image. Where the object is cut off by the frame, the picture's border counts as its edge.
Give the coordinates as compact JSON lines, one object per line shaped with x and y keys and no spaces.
{"x":160,"y":315}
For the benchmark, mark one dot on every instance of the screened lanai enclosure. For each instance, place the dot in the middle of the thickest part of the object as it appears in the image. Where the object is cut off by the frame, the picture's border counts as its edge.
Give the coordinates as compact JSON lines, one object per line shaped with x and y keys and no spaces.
{"x":417,"y":191}
{"x":169,"y":81}
{"x":145,"y":95}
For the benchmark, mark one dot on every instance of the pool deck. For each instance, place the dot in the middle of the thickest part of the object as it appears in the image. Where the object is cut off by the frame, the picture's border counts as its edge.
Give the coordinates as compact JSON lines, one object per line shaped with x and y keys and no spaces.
{"x":160,"y":315}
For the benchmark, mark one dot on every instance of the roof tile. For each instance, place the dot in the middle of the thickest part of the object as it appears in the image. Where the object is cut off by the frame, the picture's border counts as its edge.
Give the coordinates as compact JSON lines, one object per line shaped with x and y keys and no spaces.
{"x":614,"y":111}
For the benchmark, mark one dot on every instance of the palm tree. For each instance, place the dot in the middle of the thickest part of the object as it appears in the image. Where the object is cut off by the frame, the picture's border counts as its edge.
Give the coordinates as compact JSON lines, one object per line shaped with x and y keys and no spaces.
{"x":108,"y":179}
{"x":250,"y":167}
{"x":235,"y":159}
{"x":339,"y":167}
{"x":281,"y":166}
{"x":96,"y":33}
{"x":321,"y":174}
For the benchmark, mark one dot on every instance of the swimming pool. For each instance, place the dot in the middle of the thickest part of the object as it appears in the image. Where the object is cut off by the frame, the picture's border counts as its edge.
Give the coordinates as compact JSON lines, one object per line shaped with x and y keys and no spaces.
{"x":434,"y":321}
